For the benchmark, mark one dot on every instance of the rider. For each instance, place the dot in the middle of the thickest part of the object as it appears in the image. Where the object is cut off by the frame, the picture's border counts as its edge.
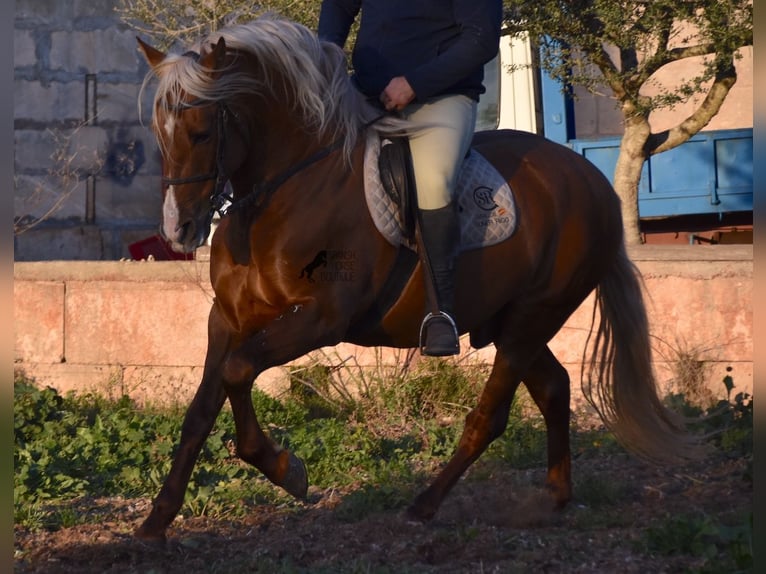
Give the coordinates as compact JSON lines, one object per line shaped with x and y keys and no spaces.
{"x":425,"y":59}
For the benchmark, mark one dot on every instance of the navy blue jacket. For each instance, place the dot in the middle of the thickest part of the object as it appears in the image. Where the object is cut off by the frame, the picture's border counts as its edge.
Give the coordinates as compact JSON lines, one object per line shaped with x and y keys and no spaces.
{"x":440,"y":46}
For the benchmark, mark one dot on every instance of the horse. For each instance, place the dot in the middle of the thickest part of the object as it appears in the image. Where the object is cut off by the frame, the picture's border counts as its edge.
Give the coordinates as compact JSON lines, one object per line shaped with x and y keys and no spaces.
{"x":264,"y":118}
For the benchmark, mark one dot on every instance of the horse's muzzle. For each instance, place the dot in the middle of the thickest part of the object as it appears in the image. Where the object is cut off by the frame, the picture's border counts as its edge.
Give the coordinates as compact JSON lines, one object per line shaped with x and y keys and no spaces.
{"x":184,"y":233}
{"x":185,"y":238}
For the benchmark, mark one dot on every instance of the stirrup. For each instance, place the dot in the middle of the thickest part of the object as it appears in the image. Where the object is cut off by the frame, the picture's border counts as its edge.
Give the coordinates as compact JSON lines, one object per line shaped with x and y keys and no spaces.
{"x":444,"y":341}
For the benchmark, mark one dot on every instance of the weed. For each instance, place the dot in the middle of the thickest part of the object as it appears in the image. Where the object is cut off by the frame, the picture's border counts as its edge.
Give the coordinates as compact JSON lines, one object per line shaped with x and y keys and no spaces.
{"x":601,"y":490}
{"x":728,"y":423}
{"x":312,"y":387}
{"x":724,"y":548}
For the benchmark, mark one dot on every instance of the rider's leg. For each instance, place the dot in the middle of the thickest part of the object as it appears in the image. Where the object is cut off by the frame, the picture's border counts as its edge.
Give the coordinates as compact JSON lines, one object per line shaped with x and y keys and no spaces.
{"x":437,"y":154}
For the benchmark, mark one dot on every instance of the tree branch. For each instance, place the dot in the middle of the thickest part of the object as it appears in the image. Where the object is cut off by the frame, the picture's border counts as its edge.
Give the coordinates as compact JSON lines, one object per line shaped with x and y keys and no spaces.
{"x":726,"y":77}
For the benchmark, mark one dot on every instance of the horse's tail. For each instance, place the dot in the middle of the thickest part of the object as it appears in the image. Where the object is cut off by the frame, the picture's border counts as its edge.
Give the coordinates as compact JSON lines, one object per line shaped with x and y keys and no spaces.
{"x":618,"y":379}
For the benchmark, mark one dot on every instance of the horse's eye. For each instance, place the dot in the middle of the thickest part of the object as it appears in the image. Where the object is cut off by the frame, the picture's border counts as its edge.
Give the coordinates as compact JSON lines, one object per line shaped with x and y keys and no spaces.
{"x":199,"y":137}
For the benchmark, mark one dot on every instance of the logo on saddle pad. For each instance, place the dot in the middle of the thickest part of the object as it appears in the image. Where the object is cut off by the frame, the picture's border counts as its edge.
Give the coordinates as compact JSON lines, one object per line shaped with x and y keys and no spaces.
{"x":486,"y":207}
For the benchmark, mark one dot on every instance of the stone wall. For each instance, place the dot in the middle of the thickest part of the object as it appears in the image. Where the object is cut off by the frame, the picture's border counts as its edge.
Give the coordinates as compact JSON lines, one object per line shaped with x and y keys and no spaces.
{"x":83,"y":161}
{"x":140,"y":327}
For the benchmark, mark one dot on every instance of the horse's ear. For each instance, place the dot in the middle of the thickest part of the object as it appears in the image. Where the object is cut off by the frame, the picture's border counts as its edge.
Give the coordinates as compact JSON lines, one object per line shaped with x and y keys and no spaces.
{"x":152,"y":55}
{"x":215,"y":57}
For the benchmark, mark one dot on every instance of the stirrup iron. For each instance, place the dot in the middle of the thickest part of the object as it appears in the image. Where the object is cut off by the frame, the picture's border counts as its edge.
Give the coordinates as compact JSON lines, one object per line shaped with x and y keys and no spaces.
{"x":442,"y":348}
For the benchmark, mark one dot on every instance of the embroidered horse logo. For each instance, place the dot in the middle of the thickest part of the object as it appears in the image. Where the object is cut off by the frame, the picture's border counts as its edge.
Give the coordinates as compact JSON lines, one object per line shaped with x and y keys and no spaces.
{"x":319,"y":261}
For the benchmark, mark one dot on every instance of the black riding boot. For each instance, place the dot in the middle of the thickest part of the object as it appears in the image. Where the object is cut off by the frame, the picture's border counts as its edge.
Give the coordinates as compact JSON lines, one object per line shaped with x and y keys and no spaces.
{"x":441,"y":237}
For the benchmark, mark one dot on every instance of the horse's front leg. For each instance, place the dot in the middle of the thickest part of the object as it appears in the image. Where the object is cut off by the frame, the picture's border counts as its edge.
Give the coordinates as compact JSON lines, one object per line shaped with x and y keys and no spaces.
{"x":301,"y":328}
{"x":279,"y":465}
{"x":198,"y":422}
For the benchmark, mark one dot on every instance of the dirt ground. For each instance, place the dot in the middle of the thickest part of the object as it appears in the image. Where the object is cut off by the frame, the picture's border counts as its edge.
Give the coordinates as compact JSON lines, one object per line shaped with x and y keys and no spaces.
{"x":495,"y":520}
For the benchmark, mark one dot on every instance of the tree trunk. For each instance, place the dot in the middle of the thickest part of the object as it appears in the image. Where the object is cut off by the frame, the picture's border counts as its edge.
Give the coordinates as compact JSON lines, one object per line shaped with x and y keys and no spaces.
{"x":627,"y":175}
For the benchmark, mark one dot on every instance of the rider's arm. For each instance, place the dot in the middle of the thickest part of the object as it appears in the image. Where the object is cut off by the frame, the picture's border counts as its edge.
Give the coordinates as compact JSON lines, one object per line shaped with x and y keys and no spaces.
{"x":335,"y":19}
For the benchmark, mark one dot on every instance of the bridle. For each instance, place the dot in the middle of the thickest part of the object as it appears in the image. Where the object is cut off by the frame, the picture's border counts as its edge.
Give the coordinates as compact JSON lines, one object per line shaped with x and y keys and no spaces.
{"x":262,"y":191}
{"x":219,"y":197}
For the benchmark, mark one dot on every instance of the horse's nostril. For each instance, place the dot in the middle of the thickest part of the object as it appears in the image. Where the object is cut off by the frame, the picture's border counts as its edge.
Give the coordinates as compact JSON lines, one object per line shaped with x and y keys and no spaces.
{"x":186,"y":231}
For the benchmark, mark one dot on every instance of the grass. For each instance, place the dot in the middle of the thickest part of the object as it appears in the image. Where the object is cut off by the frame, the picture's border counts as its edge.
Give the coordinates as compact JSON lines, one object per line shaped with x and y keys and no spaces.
{"x":71,"y":446}
{"x":378,"y":447}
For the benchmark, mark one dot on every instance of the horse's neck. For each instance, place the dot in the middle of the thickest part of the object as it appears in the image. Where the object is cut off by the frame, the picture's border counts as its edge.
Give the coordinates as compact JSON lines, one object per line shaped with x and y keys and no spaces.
{"x":279,"y":142}
{"x":285,"y":158}
{"x":311,"y":203}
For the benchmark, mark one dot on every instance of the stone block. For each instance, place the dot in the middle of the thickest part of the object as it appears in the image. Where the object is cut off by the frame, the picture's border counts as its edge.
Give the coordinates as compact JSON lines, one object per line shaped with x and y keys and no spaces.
{"x":677,"y":305}
{"x":101,"y":11}
{"x":102,"y":380}
{"x":568,"y":344}
{"x":52,"y":197}
{"x":36,"y":151}
{"x":58,"y":101}
{"x":49,"y":11}
{"x":87,"y":147}
{"x":131,"y":151}
{"x":94,"y":51}
{"x":126,"y":323}
{"x":115,"y":202}
{"x":141,"y":322}
{"x":161,"y":386}
{"x":23,"y":49}
{"x":38,"y":315}
{"x":118,"y":103}
{"x":46,"y":243}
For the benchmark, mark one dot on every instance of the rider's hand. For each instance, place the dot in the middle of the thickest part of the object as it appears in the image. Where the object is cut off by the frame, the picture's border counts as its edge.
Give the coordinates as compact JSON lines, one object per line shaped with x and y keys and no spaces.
{"x":397,"y":94}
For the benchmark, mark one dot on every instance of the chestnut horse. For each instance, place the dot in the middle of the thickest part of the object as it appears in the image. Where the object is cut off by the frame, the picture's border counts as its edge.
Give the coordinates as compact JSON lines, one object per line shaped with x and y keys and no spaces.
{"x":270,"y":109}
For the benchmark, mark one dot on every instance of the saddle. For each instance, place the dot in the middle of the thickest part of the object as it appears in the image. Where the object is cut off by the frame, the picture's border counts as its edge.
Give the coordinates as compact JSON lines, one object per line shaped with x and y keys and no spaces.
{"x":485,"y":203}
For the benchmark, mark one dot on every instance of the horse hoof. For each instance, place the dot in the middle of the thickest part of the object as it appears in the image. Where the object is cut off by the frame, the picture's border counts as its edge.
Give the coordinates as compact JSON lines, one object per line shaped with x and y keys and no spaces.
{"x":296,"y":480}
{"x":146,"y":536}
{"x":560,"y":496}
{"x":419,"y":512}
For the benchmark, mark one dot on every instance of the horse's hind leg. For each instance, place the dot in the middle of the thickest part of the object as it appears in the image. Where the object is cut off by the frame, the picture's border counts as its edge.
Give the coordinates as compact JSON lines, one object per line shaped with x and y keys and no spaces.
{"x":482,"y":425}
{"x":548,"y":384}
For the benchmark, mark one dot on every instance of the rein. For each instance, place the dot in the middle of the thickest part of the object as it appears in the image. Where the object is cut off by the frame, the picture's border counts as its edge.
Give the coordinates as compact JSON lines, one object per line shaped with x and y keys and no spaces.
{"x":262,"y":191}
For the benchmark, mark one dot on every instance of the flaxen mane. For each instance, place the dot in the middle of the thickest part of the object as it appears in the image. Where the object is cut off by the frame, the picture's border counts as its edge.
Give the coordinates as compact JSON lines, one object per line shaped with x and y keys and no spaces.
{"x":313,"y":71}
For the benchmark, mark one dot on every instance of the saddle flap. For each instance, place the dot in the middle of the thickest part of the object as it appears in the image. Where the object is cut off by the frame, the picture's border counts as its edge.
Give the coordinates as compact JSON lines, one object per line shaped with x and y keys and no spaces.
{"x":397,"y":178}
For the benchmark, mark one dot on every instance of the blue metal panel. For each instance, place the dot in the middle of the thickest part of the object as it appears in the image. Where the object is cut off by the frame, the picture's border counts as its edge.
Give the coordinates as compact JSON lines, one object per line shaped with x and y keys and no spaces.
{"x":684,"y":169}
{"x":603,"y":153}
{"x":711,"y":173}
{"x":734,"y":161}
{"x":558,"y":110}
